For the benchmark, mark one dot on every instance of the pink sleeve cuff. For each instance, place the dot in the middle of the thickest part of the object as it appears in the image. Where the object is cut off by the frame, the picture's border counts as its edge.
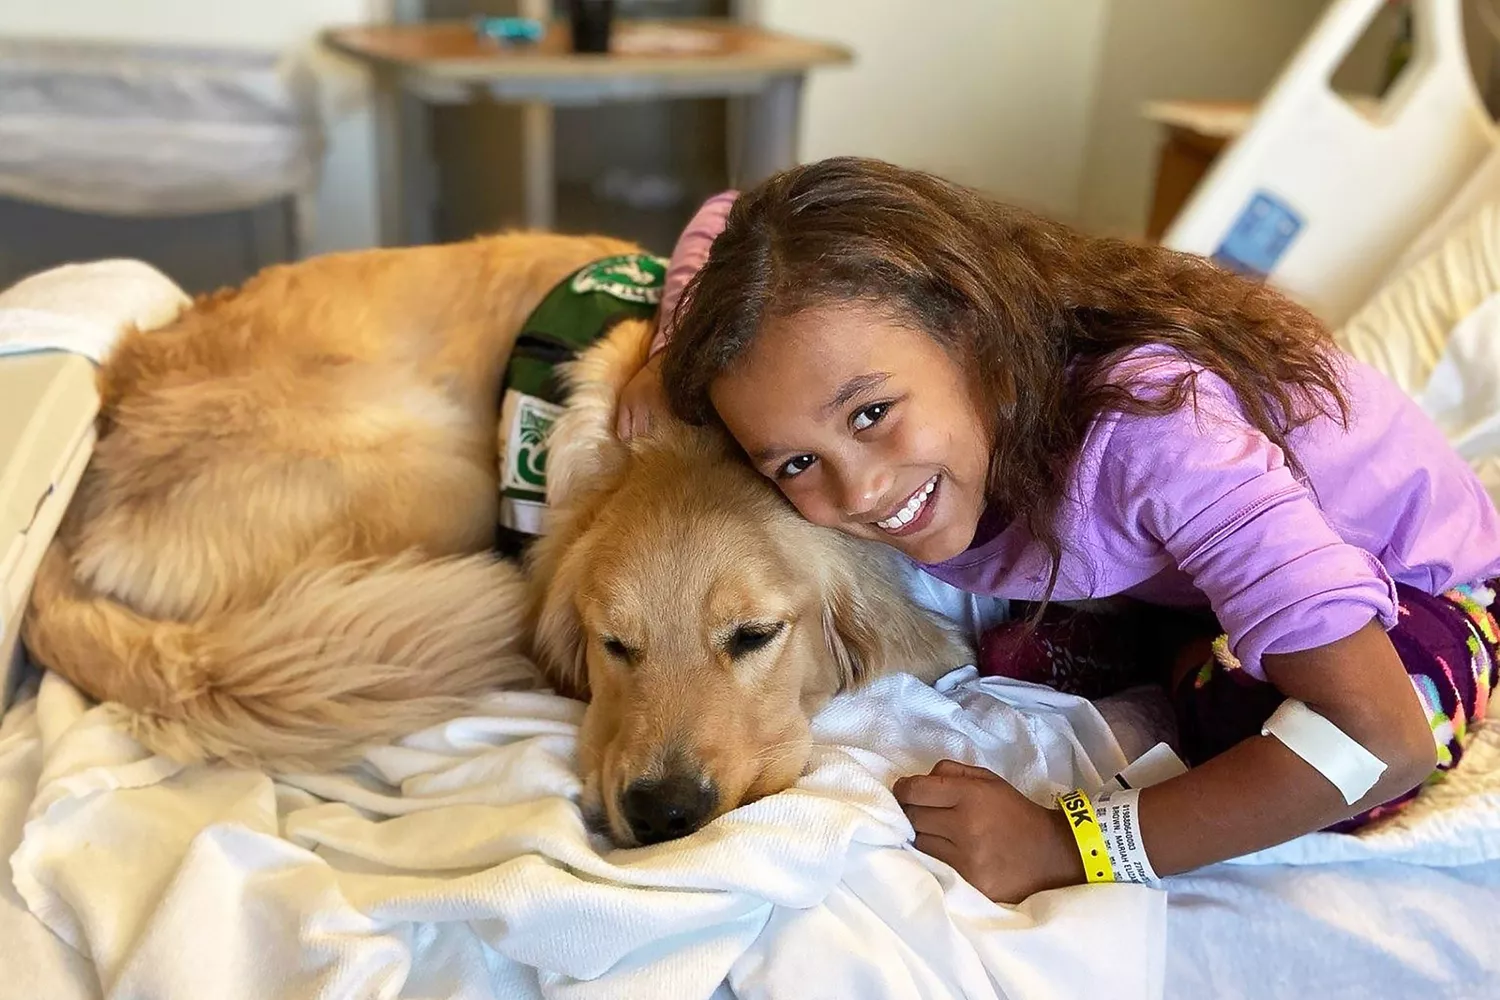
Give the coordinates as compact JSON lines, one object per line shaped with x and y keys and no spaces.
{"x":690,"y":254}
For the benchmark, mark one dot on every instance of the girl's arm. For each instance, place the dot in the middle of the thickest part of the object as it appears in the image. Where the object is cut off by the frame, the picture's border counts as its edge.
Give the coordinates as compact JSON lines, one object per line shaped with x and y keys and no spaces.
{"x":643,"y":396}
{"x":1259,"y":794}
{"x":1206,"y":488}
{"x":1255,"y":795}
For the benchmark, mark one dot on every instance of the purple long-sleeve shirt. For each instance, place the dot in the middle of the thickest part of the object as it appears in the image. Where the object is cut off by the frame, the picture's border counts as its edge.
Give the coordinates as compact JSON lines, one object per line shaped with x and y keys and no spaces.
{"x":1198,"y":508}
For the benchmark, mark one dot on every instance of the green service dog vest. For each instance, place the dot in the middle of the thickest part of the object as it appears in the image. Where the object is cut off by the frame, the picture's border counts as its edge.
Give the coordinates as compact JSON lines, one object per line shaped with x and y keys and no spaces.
{"x":581,"y":309}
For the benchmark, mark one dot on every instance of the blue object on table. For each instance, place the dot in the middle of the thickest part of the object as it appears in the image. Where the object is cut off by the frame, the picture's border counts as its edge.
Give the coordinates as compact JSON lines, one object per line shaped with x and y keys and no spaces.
{"x":510,"y":30}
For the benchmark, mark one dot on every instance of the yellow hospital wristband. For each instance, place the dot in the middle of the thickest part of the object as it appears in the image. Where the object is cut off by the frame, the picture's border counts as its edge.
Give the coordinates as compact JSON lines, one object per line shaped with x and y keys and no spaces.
{"x":1085,"y":827}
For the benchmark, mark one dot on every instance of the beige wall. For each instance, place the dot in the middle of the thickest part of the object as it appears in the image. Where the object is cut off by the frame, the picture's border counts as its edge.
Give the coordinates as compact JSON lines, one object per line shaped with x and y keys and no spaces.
{"x":1039,"y":101}
{"x":1035,"y":101}
{"x":993,"y":93}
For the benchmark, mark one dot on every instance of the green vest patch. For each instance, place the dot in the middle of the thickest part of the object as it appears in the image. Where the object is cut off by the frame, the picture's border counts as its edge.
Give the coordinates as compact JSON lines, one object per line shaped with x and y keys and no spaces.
{"x":581,"y":309}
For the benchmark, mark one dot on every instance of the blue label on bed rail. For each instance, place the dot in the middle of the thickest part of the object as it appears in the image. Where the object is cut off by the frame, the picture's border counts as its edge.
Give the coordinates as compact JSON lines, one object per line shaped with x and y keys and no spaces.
{"x":1259,"y":237}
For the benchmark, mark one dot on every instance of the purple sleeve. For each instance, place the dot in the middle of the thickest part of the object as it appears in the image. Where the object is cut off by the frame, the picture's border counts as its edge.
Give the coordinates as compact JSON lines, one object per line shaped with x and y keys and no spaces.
{"x":688,"y":256}
{"x":1218,"y":496}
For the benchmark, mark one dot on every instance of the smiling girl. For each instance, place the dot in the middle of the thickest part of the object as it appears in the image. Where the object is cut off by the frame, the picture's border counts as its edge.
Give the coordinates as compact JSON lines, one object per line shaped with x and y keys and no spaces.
{"x":1038,"y":415}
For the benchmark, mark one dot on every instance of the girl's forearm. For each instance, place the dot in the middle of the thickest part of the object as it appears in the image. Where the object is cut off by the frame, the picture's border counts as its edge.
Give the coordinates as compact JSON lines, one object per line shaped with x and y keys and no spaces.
{"x":1259,"y":794}
{"x":1256,"y":795}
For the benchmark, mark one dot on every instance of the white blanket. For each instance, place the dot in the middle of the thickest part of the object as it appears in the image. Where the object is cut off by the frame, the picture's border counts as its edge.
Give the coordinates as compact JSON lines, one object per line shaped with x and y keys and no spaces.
{"x":84,"y":308}
{"x":457,"y":864}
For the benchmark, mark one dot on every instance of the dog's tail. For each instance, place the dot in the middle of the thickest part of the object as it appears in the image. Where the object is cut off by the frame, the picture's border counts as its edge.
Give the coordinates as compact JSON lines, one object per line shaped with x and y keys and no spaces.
{"x":335,"y":659}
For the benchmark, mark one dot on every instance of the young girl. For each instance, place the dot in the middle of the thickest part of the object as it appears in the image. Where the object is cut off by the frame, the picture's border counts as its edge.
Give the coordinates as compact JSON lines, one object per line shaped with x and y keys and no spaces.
{"x":1037,"y":415}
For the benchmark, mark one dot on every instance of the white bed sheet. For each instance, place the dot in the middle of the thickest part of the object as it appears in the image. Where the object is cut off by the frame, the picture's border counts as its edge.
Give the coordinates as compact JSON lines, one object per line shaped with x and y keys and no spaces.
{"x":35,"y":964}
{"x":1369,"y":929}
{"x":456,"y":866}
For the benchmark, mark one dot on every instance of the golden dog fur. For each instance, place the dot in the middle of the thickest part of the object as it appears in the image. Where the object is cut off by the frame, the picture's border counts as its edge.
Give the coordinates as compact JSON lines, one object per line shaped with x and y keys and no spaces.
{"x":273,"y":555}
{"x":279,"y":552}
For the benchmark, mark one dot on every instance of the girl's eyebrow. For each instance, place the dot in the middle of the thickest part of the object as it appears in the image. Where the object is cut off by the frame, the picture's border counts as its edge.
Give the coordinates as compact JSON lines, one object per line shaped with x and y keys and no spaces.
{"x":853,"y":387}
{"x":766,"y":454}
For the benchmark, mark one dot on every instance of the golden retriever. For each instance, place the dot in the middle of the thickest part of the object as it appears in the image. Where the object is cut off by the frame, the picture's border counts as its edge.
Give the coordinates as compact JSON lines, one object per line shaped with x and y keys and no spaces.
{"x":705,"y":618}
{"x":280,"y":551}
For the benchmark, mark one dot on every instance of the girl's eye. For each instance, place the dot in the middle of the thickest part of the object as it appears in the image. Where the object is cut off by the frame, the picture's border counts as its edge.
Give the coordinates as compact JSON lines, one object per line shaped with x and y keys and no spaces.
{"x":795,"y":466}
{"x":870,"y":416}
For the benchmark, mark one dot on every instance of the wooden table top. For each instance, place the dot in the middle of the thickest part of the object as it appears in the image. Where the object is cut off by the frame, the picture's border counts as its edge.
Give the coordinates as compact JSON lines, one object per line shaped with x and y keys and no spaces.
{"x":1216,"y":119}
{"x":1229,"y":119}
{"x":679,"y":47}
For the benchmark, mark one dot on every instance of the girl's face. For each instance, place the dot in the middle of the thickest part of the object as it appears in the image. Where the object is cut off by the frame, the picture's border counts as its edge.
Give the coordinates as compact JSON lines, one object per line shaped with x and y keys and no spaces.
{"x":866,"y":425}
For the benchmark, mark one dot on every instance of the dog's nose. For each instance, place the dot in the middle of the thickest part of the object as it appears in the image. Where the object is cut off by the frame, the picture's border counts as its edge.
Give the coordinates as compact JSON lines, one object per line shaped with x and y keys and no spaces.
{"x":667,"y":808}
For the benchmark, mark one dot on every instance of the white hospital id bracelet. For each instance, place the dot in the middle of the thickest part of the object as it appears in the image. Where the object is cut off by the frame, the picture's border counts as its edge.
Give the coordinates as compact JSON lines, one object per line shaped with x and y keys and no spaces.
{"x":1331,"y":751}
{"x":1120,"y":822}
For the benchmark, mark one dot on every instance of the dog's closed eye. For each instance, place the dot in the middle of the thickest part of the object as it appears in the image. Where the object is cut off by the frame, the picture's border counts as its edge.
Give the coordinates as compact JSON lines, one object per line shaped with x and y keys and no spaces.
{"x":748,"y":638}
{"x":617,"y":649}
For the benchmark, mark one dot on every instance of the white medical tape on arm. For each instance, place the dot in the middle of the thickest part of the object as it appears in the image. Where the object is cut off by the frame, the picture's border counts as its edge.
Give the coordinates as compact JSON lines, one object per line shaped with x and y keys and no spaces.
{"x":1331,"y":752}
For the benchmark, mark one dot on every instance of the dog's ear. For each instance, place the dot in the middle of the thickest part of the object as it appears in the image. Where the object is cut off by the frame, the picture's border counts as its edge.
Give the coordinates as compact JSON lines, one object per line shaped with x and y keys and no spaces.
{"x":584,"y":463}
{"x":556,"y":564}
{"x":872,"y":627}
{"x":557,"y":630}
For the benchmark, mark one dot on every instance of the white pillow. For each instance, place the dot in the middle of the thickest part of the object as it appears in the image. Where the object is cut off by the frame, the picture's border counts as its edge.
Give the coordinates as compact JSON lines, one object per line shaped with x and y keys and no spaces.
{"x":1405,"y":327}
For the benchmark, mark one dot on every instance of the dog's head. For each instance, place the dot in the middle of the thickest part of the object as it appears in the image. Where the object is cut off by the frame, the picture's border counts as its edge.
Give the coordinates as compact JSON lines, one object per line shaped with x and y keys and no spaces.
{"x":706,"y":622}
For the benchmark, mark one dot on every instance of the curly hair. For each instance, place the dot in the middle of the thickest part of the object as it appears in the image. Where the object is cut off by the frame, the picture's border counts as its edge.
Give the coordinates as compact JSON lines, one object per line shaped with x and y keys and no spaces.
{"x":1038,"y":313}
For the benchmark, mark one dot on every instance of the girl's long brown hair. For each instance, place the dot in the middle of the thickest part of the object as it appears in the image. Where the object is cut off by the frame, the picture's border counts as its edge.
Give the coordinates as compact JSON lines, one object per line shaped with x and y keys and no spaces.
{"x":1037,"y":312}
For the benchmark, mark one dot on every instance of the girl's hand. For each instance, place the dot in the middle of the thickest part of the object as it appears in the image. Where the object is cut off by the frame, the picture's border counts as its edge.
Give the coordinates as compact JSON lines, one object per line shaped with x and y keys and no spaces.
{"x":1001,"y":842}
{"x":642,"y":399}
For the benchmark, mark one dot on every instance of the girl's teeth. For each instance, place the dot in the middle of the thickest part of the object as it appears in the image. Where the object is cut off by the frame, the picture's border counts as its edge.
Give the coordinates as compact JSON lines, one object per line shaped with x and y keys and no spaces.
{"x":913,"y":506}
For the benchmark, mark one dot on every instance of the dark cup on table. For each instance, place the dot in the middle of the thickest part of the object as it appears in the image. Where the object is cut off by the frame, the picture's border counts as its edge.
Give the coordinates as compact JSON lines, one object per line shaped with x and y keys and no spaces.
{"x":591,"y":21}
